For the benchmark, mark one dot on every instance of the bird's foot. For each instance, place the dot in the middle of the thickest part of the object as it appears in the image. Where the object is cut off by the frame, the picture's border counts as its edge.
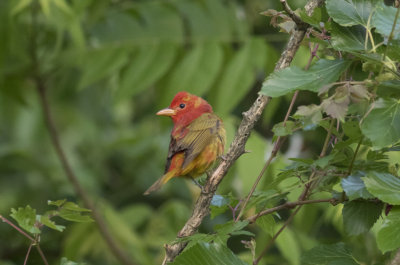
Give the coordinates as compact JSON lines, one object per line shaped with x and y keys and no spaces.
{"x":197,"y":184}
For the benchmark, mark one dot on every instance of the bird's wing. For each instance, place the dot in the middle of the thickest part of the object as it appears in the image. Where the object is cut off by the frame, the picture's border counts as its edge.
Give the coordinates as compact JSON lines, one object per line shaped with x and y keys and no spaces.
{"x":195,"y":138}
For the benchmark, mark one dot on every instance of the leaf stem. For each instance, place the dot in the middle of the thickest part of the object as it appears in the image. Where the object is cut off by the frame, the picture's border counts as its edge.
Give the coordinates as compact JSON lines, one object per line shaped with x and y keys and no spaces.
{"x":290,"y":205}
{"x":354,"y":156}
{"x":16,"y":228}
{"x":391,"y":35}
{"x":41,"y":254}
{"x":271,"y":242}
{"x":27,"y":253}
{"x":307,"y":188}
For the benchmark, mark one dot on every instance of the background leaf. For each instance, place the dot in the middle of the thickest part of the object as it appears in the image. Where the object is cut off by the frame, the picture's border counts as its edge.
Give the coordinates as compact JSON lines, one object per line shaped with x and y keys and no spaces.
{"x":350,"y":12}
{"x":208,"y":254}
{"x":355,"y":188}
{"x":382,"y":125}
{"x":287,"y":80}
{"x":330,"y":255}
{"x":360,"y":216}
{"x":384,"y":186}
{"x":389,"y":234}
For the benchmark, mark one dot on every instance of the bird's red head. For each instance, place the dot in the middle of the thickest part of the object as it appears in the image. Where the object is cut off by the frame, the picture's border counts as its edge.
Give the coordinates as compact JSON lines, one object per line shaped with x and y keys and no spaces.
{"x":186,"y":107}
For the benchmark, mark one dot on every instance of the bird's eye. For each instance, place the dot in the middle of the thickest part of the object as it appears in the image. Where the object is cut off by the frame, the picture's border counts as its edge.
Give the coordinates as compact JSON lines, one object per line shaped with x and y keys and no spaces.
{"x":182,"y":105}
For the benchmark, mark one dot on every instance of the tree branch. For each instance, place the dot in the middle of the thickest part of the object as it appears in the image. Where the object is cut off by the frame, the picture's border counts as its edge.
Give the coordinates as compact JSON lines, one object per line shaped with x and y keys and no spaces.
{"x":51,"y":127}
{"x":396,"y":259}
{"x":236,"y":149}
{"x":290,"y":205}
{"x":296,"y":19}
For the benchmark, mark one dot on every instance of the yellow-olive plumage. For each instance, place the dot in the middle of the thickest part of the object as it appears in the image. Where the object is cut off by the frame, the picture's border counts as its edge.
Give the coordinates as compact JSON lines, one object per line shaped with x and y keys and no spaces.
{"x":197,"y":139}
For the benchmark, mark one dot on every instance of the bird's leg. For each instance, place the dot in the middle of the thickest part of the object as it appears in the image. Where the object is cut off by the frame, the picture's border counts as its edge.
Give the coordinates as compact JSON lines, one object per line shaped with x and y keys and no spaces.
{"x":197,"y":184}
{"x":223,"y":157}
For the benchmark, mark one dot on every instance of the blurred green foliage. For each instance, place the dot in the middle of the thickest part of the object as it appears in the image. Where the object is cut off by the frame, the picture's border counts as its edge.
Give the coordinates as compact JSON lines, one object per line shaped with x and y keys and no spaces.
{"x":108,"y":66}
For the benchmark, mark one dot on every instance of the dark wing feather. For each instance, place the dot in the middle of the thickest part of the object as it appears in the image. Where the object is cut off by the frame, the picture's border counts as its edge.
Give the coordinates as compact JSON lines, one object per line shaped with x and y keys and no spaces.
{"x":173,"y":149}
{"x":198,"y":135}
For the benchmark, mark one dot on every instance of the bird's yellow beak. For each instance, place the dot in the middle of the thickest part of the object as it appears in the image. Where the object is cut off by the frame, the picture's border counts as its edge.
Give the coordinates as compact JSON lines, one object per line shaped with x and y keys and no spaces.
{"x":166,"y":112}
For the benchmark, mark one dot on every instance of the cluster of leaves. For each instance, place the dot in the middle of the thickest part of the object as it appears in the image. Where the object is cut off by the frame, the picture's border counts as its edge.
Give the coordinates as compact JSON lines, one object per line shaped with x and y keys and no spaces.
{"x":109,"y":66}
{"x":34,"y":223}
{"x":357,"y":82}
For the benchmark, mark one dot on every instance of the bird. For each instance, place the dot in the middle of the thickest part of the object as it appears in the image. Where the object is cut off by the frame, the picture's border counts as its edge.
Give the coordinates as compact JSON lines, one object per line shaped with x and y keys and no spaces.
{"x":197,"y":138}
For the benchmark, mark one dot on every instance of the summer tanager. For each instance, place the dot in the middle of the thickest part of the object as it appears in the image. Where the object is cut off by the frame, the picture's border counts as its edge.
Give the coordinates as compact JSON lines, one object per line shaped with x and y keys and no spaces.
{"x":197,"y":138}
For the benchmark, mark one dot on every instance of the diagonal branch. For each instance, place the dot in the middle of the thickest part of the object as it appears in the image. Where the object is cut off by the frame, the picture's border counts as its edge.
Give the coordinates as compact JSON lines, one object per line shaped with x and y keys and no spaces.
{"x":250,"y":117}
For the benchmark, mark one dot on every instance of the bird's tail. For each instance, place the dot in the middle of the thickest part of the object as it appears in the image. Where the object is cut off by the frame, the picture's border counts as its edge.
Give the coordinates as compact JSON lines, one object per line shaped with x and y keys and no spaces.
{"x":161,"y":181}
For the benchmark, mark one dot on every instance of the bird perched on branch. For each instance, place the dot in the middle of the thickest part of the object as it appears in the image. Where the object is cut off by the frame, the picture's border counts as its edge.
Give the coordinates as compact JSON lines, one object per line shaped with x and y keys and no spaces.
{"x":197,"y":139}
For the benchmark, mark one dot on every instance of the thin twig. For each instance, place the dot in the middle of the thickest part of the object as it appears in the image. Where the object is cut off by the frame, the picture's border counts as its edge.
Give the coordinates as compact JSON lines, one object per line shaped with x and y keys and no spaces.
{"x":17,"y":228}
{"x":296,"y":19}
{"x":41,"y":254}
{"x":273,"y":154}
{"x":27,"y":253}
{"x":306,"y":191}
{"x":289,"y":205}
{"x":271,"y":242}
{"x":391,"y":36}
{"x":354,"y":157}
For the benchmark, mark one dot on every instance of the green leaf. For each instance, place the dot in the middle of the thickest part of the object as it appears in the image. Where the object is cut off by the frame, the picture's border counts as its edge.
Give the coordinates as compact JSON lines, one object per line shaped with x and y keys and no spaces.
{"x":309,"y":115}
{"x":248,"y":167}
{"x":208,"y":254}
{"x":384,"y":186}
{"x":280,"y":129}
{"x":202,"y":23}
{"x":382,"y":125}
{"x":146,"y":67}
{"x":360,"y":216}
{"x":267,"y":224}
{"x":74,"y":216}
{"x":389,"y":89}
{"x":334,"y":254}
{"x":45,"y":5}
{"x":318,"y":15}
{"x":231,"y":228}
{"x":289,"y":246}
{"x":388,"y":237}
{"x":74,"y":207}
{"x":293,"y":78}
{"x":65,"y":261}
{"x":352,"y":129}
{"x":57,"y":203}
{"x":219,"y":205}
{"x":337,"y":105}
{"x":26,"y":219}
{"x":44,"y":219}
{"x":101,"y":63}
{"x":19,"y":6}
{"x":237,"y":77}
{"x":383,"y":19}
{"x":355,"y":187}
{"x":196,"y":72}
{"x":350,"y":12}
{"x":348,"y":38}
{"x":160,"y":22}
